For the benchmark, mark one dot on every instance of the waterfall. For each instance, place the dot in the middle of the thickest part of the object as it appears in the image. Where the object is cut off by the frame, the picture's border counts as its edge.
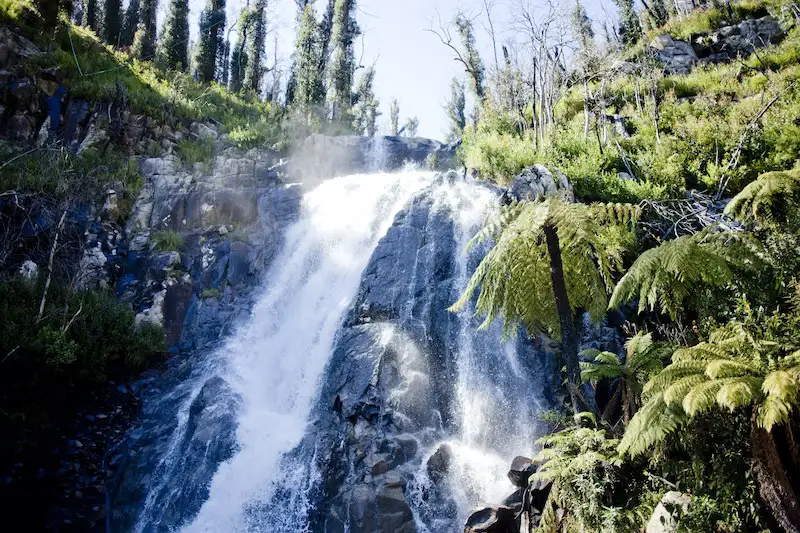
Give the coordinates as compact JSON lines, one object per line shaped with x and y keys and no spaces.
{"x":350,"y":375}
{"x":496,"y":404}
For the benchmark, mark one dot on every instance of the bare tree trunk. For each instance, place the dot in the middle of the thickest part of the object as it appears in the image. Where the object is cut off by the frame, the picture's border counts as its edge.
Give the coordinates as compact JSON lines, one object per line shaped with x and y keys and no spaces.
{"x":774,"y":486}
{"x":613,"y":403}
{"x":585,"y":109}
{"x":656,"y":106}
{"x":569,"y":336}
{"x":50,"y":265}
{"x":603,"y":110}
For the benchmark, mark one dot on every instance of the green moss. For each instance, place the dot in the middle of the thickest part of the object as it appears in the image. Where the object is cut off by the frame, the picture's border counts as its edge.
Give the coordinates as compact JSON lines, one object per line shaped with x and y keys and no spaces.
{"x":209,"y":293}
{"x":63,"y":175}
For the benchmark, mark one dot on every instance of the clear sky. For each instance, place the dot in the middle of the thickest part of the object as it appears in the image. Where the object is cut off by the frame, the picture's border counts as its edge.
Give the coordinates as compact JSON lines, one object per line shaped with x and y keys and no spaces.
{"x":411,"y":64}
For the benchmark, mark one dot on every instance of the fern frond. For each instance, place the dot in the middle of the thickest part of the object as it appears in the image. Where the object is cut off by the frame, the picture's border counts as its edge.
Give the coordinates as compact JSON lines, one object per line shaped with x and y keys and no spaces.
{"x":514,"y":276}
{"x":675,"y":393}
{"x":650,"y":425}
{"x":728,"y":368}
{"x":782,"y":390}
{"x":739,"y":392}
{"x":761,"y":199}
{"x":664,"y":277}
{"x":677,"y":370}
{"x":702,"y":397}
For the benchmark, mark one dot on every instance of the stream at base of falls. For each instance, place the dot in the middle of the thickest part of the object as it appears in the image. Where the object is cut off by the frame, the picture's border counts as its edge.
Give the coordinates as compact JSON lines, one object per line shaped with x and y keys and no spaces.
{"x":351,"y":399}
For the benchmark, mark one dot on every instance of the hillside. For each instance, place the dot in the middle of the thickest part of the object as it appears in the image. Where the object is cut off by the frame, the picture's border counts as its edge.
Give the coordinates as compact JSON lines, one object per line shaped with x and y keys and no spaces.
{"x":173,"y":251}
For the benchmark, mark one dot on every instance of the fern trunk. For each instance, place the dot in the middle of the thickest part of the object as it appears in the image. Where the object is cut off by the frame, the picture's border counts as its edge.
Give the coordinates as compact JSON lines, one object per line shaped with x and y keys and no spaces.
{"x":613,"y":403}
{"x":774,"y":485}
{"x":569,"y":337}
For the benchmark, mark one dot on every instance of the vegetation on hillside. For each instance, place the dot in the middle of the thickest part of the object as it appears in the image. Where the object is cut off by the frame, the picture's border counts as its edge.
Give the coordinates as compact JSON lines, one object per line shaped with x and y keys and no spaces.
{"x":705,"y":397}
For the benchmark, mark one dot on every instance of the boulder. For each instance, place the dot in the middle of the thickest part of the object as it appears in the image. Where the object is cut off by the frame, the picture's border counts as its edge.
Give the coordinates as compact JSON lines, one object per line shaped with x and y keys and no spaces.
{"x":20,"y":127}
{"x":439,"y":462}
{"x":203,"y":131}
{"x":678,"y":57}
{"x":666,"y":514}
{"x":521,"y":469}
{"x":536,"y":182}
{"x":491,"y":519}
{"x":661,"y":42}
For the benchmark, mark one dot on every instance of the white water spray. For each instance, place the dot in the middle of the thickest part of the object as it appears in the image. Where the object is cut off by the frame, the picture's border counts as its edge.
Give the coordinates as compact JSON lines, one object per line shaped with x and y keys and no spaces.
{"x":276,"y":360}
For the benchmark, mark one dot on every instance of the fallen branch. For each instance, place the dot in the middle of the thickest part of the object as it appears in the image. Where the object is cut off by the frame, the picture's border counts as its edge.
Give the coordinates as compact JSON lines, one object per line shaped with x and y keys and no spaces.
{"x":50,"y":265}
{"x":9,"y":354}
{"x":734,"y":160}
{"x":71,"y":320}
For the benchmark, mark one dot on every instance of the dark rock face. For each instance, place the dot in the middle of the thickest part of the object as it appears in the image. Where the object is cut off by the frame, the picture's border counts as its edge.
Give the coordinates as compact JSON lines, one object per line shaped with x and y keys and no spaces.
{"x":198,"y":293}
{"x":321,"y":156}
{"x":521,"y":469}
{"x":388,"y":392}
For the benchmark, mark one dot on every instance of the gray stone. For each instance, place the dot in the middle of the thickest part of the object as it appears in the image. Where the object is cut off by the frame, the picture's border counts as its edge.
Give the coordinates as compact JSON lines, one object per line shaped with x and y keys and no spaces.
{"x":667,"y":513}
{"x":203,"y":131}
{"x":91,"y":271}
{"x":660,"y":42}
{"x":537,"y":182}
{"x":95,"y":138}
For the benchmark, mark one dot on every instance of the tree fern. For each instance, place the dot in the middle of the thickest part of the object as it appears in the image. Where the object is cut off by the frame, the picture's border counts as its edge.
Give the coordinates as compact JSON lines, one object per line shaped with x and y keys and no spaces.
{"x":665,"y":277}
{"x":643,"y":357}
{"x":514,"y":276}
{"x":768,"y":200}
{"x":736,"y":368}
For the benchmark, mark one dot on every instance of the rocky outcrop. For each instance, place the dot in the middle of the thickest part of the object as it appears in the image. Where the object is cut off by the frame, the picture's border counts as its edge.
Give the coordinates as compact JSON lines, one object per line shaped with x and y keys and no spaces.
{"x":230,"y":214}
{"x":726,"y":43}
{"x":536,"y":182}
{"x":321,"y":156}
{"x":678,"y":57}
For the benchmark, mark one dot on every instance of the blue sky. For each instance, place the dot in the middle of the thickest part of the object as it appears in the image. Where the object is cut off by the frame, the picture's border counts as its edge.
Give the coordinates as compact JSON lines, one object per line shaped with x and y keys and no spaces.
{"x":411,"y":64}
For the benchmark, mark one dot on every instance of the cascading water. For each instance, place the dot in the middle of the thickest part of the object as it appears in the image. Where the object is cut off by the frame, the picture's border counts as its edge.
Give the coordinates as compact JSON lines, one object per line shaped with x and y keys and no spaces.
{"x":350,"y":375}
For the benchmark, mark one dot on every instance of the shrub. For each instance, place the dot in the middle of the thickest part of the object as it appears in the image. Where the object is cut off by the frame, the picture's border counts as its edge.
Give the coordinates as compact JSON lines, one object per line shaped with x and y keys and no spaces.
{"x":193,"y":151}
{"x":167,"y":241}
{"x":82,"y":339}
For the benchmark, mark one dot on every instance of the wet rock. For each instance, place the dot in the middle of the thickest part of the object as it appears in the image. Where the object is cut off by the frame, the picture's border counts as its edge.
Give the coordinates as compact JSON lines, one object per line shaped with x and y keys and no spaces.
{"x":521,"y":469}
{"x":491,"y":519}
{"x":439,"y":463}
